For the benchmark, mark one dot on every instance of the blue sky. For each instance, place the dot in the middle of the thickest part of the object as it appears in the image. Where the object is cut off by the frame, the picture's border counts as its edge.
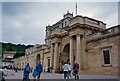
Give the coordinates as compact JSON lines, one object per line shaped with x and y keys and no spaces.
{"x":25,"y":22}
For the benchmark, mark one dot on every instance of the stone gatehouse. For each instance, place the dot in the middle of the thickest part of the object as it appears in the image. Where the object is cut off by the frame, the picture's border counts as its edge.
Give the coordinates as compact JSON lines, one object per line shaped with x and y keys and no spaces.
{"x":79,"y":38}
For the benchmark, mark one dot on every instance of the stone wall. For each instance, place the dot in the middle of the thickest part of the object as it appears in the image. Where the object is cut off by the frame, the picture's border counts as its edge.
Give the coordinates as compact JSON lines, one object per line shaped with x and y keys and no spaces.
{"x":32,"y":58}
{"x":95,"y":58}
{"x":45,"y":60}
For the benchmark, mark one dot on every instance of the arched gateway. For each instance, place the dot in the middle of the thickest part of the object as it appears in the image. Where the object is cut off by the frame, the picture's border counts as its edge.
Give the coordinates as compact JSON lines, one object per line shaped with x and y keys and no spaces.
{"x":65,"y":54}
{"x":38,"y":59}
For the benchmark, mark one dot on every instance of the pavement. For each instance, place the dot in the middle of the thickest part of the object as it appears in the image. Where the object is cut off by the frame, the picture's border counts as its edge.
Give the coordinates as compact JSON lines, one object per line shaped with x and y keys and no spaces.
{"x":19,"y":75}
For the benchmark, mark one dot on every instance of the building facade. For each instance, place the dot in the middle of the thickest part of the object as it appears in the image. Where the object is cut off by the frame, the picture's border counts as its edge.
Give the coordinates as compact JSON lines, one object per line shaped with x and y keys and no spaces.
{"x":7,"y":61}
{"x":80,"y":39}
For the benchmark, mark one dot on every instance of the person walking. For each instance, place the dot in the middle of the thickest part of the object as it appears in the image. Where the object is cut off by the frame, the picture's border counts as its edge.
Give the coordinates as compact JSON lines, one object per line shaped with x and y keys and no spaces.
{"x":39,"y":68}
{"x":26,"y":72}
{"x":66,"y":70}
{"x":35,"y":74}
{"x":75,"y":70}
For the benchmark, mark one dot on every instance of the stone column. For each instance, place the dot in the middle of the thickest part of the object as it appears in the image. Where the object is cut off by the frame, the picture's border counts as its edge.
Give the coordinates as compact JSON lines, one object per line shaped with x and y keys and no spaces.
{"x":42,"y":59}
{"x":71,"y":51}
{"x":55,"y":57}
{"x":52,"y":55}
{"x":84,"y":59}
{"x":78,"y":51}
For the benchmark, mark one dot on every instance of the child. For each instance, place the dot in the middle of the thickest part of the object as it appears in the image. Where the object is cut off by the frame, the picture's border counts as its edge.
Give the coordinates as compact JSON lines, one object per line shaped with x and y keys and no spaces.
{"x":35,"y":74}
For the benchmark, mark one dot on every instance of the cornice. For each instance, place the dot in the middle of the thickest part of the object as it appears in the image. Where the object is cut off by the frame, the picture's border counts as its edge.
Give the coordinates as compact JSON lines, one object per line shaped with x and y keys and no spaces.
{"x":68,"y":28}
{"x":103,"y":37}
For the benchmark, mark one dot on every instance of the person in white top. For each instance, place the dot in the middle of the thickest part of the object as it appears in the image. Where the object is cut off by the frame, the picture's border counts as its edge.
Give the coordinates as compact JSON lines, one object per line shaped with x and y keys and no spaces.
{"x":66,"y":68}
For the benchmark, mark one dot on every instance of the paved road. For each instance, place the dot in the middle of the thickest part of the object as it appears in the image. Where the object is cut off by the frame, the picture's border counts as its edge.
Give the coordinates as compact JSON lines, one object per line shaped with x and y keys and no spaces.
{"x":19,"y":75}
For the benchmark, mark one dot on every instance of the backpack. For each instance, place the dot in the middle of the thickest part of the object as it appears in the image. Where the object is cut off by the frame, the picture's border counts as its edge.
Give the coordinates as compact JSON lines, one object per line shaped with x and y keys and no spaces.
{"x":27,"y":69}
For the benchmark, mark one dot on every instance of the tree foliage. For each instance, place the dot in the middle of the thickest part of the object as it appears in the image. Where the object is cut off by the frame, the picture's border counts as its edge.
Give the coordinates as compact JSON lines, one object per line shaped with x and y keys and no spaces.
{"x":19,"y":48}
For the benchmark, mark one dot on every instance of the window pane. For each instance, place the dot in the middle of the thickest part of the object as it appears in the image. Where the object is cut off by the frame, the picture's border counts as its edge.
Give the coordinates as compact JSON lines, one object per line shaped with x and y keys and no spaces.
{"x":106,"y":57}
{"x":106,"y":53}
{"x":107,"y":61}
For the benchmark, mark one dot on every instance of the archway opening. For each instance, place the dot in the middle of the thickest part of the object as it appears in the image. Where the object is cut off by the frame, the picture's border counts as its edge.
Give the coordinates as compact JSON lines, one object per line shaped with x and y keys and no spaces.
{"x":65,"y":54}
{"x":38,"y":59}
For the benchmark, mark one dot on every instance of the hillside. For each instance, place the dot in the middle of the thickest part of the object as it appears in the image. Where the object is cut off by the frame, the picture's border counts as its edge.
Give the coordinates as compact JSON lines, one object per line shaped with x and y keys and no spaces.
{"x":19,"y":48}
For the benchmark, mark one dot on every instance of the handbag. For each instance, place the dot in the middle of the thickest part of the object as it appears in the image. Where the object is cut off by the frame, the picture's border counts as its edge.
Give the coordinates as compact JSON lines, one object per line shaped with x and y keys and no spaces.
{"x":73,"y":73}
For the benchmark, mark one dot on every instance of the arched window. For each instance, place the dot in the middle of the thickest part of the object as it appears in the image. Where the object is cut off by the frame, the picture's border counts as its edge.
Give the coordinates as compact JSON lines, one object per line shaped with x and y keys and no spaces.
{"x":62,"y":25}
{"x":65,"y":23}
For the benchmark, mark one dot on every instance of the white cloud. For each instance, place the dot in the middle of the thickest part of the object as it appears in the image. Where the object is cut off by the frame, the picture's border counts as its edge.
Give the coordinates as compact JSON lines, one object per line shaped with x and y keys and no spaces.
{"x":0,"y":21}
{"x":25,"y":22}
{"x":17,"y":24}
{"x":112,"y":20}
{"x":60,"y":0}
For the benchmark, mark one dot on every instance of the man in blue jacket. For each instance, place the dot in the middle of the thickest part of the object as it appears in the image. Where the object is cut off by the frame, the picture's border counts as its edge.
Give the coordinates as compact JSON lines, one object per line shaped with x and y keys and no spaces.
{"x":39,"y":69}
